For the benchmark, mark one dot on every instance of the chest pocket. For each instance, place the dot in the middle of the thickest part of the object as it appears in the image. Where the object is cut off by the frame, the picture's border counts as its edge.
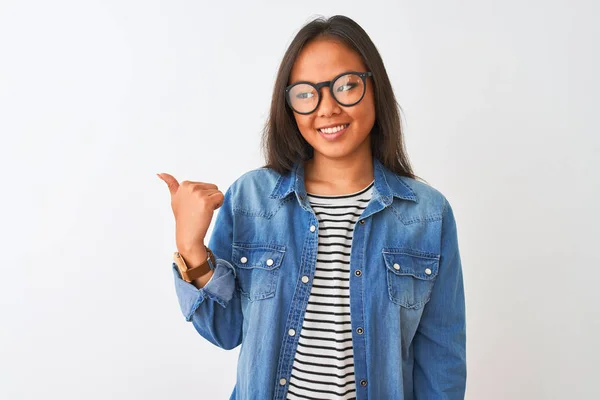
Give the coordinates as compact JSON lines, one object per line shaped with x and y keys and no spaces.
{"x":257,"y":268}
{"x":410,"y":276}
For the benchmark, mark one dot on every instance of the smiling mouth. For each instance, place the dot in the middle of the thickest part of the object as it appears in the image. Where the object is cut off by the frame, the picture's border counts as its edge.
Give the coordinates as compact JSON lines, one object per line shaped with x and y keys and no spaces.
{"x":334,"y":129}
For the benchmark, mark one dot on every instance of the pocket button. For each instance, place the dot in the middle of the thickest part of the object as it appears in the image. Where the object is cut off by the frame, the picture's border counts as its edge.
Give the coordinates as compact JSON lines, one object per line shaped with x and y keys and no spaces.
{"x":428,"y":271}
{"x":270,"y":262}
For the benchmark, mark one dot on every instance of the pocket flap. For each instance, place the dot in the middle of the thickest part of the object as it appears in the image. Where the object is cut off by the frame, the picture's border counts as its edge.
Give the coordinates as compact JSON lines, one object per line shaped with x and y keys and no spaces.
{"x":263,"y":256}
{"x":406,"y":262}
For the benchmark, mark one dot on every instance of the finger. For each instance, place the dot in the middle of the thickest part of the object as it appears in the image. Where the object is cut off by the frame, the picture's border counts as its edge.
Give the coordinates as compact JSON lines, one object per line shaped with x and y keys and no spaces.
{"x":200,"y":185}
{"x":170,"y":181}
{"x":210,"y":192}
{"x":217,"y":198}
{"x":206,"y":193}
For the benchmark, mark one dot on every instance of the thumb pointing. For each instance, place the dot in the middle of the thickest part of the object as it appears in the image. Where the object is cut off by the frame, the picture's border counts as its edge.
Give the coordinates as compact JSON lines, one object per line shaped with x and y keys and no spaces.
{"x":170,"y":181}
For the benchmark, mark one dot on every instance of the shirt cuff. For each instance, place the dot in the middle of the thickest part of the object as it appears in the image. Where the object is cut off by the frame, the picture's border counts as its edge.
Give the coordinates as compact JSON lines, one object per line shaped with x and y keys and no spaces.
{"x":219,"y":288}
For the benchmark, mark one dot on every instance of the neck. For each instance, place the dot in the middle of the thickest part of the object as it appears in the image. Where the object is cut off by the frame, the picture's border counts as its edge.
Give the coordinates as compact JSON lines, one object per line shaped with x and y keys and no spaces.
{"x":324,"y":175}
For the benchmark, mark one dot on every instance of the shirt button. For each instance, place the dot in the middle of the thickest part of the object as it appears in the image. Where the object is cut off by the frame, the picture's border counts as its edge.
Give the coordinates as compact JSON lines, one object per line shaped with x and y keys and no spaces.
{"x":282,"y":381}
{"x":358,"y":273}
{"x":428,"y":271}
{"x":362,"y":383}
{"x":305,"y":279}
{"x":359,"y":331}
{"x":244,"y":260}
{"x":269,"y":262}
{"x":292,"y":332}
{"x":313,"y":228}
{"x":396,"y":266}
{"x":362,"y":221}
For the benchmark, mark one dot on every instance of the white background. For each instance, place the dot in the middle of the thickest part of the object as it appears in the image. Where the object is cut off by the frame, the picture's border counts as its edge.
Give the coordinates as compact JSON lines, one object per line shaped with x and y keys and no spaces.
{"x":499,"y":106}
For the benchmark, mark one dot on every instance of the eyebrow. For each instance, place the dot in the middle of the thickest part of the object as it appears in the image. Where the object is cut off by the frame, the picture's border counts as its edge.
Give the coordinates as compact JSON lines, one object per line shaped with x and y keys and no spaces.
{"x":329,"y":80}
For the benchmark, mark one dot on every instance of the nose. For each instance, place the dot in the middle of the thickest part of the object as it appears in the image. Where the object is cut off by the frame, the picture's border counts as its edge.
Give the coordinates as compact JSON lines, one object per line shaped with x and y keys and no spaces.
{"x":328,"y":106}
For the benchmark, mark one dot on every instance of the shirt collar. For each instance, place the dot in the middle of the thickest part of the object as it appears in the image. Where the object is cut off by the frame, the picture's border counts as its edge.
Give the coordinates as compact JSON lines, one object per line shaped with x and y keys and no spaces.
{"x":387,"y":184}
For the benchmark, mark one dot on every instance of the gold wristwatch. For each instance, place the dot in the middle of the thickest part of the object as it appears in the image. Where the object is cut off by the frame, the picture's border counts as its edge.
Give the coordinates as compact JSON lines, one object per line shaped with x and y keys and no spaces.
{"x":189,"y":274}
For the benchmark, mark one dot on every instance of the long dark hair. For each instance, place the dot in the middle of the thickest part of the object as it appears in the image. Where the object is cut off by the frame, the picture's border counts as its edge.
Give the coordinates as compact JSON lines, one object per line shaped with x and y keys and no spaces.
{"x":282,"y":143}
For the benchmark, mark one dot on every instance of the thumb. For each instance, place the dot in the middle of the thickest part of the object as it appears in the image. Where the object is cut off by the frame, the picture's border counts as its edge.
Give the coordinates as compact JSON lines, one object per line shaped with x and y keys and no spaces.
{"x":170,"y":181}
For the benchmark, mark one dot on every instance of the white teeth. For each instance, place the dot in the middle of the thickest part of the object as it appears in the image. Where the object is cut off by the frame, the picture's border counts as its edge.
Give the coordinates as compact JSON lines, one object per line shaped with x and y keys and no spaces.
{"x":334,"y":129}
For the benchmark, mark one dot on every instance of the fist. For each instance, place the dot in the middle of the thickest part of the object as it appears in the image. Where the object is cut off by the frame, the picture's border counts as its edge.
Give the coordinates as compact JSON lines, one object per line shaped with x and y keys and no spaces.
{"x":193,"y":205}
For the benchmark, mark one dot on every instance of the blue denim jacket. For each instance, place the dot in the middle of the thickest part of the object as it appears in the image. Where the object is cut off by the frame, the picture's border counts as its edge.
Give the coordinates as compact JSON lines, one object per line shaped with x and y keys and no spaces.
{"x":406,"y":287}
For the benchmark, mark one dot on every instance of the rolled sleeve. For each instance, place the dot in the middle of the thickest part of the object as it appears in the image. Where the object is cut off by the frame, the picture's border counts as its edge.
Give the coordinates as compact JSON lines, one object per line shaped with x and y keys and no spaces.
{"x":219,"y":289}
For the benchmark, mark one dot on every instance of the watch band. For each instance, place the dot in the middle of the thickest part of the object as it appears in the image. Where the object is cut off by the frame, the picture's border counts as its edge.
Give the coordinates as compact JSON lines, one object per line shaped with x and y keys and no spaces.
{"x":189,"y":274}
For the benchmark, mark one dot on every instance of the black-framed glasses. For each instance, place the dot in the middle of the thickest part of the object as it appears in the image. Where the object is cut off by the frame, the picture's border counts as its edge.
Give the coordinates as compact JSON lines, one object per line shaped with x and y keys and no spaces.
{"x":348,"y":89}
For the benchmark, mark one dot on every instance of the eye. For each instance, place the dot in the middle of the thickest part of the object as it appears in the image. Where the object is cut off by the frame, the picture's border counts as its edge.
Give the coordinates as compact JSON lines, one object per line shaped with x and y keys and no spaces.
{"x":304,"y":95}
{"x":346,"y":87}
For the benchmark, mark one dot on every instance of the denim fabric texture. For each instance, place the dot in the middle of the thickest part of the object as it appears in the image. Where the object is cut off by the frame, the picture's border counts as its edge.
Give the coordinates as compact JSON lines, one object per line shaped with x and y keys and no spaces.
{"x":406,"y":287}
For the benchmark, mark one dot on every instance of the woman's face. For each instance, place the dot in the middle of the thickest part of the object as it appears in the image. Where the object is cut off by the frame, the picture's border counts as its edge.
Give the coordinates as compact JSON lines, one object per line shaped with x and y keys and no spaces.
{"x":322,"y":60}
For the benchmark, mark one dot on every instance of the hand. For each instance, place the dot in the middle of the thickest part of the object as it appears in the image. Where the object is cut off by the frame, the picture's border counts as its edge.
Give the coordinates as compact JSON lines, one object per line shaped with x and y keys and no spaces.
{"x":193,"y":205}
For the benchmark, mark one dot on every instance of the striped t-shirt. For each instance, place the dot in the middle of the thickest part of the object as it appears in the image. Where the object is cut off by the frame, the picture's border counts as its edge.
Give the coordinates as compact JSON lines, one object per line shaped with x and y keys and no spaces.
{"x":323,"y":366}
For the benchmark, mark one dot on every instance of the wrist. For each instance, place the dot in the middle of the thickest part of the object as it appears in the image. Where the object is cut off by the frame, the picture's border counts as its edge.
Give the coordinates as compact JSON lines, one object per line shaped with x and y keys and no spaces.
{"x":194,"y":256}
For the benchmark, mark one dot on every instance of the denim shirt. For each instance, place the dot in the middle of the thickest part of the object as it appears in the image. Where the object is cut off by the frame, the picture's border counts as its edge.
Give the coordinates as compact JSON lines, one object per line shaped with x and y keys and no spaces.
{"x":407,"y":301}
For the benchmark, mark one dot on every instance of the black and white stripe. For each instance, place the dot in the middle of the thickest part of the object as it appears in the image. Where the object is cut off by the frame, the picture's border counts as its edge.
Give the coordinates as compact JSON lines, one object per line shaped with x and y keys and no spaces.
{"x":323,"y":365}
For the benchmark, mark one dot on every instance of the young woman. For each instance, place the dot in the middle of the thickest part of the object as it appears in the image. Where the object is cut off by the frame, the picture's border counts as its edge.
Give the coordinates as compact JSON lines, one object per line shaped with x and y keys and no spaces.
{"x":336,"y":270}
